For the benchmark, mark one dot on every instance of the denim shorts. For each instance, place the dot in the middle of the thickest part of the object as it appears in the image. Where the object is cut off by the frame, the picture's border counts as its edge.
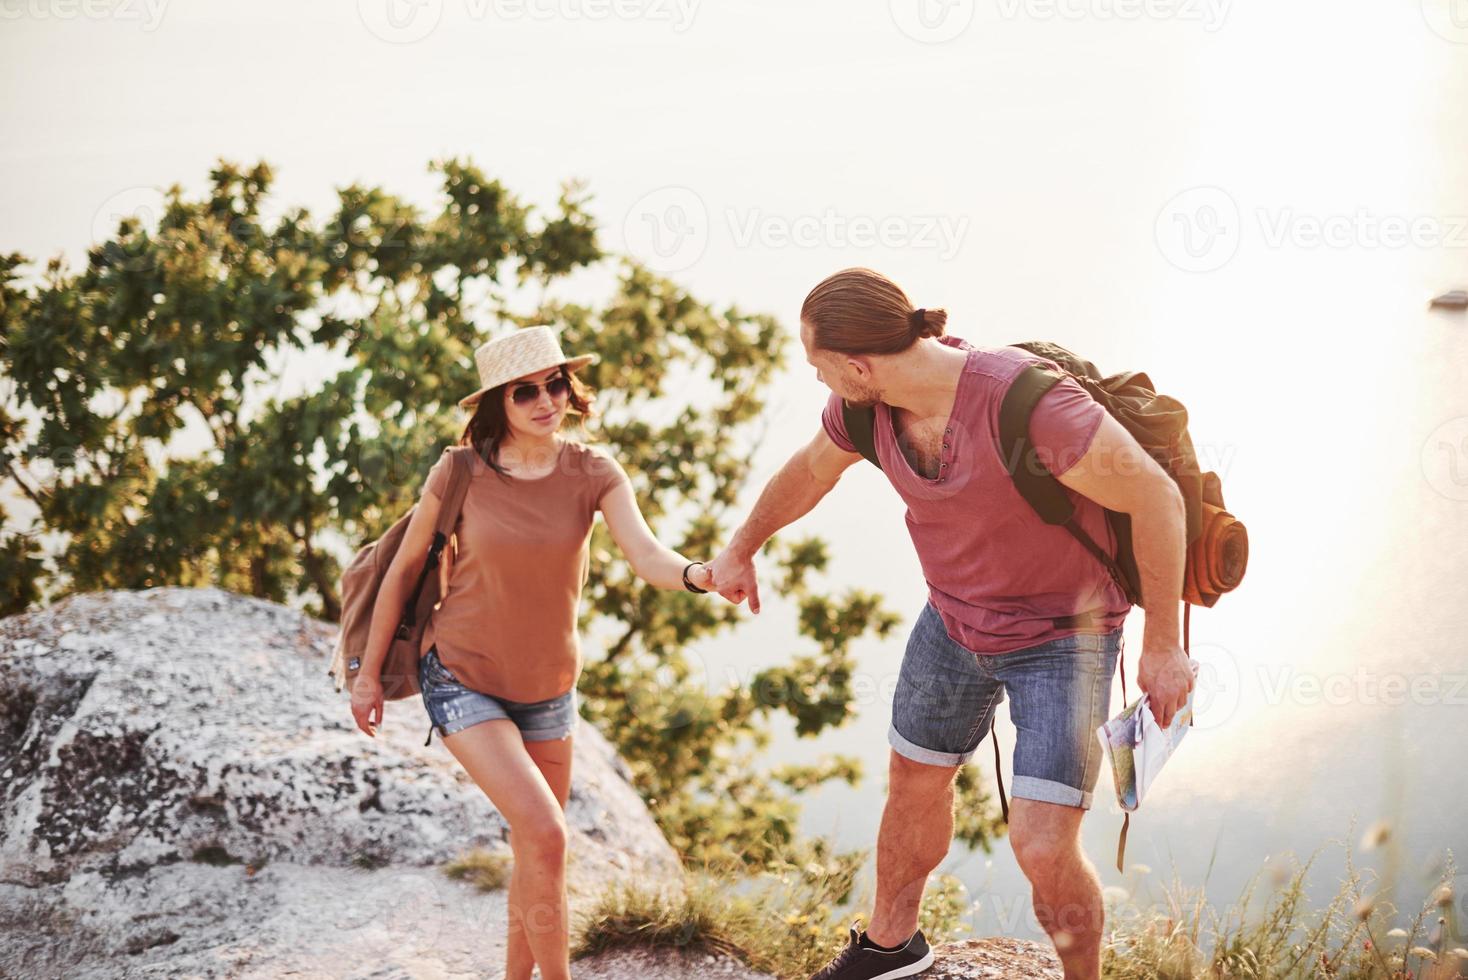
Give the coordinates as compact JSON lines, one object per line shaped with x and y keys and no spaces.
{"x":452,"y":707}
{"x":1059,"y":691}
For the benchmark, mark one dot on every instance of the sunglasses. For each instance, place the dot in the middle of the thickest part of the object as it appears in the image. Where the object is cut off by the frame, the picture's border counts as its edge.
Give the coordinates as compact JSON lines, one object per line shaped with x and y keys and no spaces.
{"x":527,"y":392}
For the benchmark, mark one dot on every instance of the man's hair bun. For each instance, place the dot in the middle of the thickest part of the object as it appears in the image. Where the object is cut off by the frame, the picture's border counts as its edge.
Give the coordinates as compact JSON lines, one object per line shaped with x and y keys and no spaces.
{"x":927,"y":323}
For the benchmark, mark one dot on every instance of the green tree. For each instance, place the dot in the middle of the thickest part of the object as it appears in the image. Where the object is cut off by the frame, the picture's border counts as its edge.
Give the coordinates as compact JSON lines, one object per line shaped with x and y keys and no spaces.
{"x":185,"y":328}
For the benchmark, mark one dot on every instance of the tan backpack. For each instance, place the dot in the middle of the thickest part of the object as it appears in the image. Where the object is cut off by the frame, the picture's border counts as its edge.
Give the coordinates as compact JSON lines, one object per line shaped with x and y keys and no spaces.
{"x":363,"y":578}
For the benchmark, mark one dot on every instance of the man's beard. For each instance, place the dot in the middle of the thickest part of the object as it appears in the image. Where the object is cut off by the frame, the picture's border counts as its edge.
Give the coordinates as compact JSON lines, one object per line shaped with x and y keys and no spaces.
{"x":863,"y":397}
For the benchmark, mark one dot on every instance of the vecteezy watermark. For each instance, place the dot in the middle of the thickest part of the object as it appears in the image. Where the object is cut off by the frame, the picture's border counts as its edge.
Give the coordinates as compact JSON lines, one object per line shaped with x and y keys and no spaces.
{"x":1218,"y":688}
{"x":1445,"y":458}
{"x":1391,"y":689}
{"x":140,"y":207}
{"x":1209,"y":13}
{"x":1201,"y":229}
{"x":932,"y":21}
{"x":1198,"y":229}
{"x":936,"y":21}
{"x":407,"y":21}
{"x":1448,"y":19}
{"x":1361,"y":229}
{"x":400,"y":21}
{"x":667,"y":229}
{"x":147,"y":13}
{"x":831,"y":229}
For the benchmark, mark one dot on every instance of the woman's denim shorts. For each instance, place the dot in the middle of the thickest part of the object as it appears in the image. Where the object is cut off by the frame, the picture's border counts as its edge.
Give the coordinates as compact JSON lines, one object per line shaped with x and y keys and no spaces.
{"x":1059,"y":693}
{"x":452,"y":707}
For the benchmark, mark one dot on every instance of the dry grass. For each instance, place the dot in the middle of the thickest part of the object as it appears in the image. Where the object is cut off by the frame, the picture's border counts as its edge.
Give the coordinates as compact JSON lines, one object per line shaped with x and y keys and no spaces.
{"x":1354,"y":936}
{"x":488,"y":870}
{"x":787,"y":921}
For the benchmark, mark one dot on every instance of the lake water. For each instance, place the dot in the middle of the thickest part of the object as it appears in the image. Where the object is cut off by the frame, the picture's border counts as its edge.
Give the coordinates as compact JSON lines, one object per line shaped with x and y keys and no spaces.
{"x":1332,"y":401}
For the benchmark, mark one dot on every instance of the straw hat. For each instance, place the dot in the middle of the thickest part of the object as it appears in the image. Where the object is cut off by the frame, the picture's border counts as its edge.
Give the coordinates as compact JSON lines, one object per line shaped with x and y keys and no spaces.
{"x":516,"y":354}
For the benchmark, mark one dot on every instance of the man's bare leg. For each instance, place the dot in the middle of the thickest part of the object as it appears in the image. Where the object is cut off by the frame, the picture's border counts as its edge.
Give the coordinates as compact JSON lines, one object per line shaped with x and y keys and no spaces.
{"x":917,"y":828}
{"x":1046,"y":838}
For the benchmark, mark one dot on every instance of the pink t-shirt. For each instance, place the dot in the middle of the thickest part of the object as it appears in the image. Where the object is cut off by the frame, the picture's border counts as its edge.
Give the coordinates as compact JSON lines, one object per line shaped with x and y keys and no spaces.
{"x":997,"y":574}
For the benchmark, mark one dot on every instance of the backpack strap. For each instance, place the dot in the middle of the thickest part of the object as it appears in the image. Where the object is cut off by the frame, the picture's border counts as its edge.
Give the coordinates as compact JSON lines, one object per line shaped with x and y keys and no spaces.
{"x":1032,"y":479}
{"x":1126,"y":824}
{"x":448,"y":516}
{"x":998,"y":773}
{"x":860,"y":421}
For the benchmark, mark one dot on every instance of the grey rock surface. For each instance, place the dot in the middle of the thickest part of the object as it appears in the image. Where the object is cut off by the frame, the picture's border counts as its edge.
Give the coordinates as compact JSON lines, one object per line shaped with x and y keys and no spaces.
{"x":182,"y":793}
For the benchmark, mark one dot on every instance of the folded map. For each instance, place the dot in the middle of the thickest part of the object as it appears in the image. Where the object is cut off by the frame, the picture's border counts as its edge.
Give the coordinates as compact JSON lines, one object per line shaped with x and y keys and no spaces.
{"x":1137,"y":746}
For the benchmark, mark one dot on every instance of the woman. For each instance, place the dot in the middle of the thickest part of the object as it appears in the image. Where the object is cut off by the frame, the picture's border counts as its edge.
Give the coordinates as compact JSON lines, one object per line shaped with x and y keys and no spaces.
{"x":501,"y":655}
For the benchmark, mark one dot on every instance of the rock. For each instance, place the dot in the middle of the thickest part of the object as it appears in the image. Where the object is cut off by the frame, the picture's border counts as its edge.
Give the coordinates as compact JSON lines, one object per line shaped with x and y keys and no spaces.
{"x":645,"y":964}
{"x":1455,"y":299}
{"x":999,"y":958}
{"x":183,"y":793}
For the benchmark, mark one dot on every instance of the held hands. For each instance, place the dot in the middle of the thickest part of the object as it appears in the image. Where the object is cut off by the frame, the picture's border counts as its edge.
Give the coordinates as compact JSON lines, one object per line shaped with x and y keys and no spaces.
{"x":1165,"y":675}
{"x":732,"y":574}
{"x":702,"y":577}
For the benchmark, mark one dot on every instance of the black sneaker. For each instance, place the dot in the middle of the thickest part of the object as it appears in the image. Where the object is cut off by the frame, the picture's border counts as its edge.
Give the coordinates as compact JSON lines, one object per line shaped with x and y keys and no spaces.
{"x":859,"y":961}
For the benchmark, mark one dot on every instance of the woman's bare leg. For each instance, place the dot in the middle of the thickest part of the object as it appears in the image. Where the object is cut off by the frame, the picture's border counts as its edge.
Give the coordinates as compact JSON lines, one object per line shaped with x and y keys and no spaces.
{"x":553,"y":758}
{"x":496,"y":758}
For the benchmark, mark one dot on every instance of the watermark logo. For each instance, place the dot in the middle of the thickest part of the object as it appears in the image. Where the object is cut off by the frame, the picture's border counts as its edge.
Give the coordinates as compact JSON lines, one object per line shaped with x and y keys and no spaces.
{"x":932,"y":21}
{"x":1201,"y":229}
{"x":678,"y":13}
{"x":1445,"y":458}
{"x":147,"y":13}
{"x":1448,"y":19}
{"x":407,"y":21}
{"x":1279,"y":227}
{"x":830,"y":229}
{"x":140,"y":206}
{"x":400,"y":21}
{"x":1209,"y":13}
{"x":667,"y":230}
{"x":1198,"y":230}
{"x":1218,"y":688}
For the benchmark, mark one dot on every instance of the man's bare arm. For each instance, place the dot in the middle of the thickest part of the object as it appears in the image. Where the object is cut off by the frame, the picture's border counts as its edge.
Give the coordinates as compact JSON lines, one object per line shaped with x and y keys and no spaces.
{"x":806,"y":477}
{"x":1117,"y":473}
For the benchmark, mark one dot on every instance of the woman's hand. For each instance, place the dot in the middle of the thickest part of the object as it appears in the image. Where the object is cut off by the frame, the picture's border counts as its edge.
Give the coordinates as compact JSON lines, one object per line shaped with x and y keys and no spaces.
{"x":367,"y":702}
{"x":702,"y":576}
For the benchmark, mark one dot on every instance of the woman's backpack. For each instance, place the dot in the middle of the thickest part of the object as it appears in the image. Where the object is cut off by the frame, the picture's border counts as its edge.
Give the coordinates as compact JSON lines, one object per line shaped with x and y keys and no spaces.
{"x":363,"y":579}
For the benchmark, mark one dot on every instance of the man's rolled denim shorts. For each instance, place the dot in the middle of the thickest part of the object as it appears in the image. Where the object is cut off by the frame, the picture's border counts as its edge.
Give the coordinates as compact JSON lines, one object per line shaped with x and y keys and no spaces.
{"x":1059,"y":693}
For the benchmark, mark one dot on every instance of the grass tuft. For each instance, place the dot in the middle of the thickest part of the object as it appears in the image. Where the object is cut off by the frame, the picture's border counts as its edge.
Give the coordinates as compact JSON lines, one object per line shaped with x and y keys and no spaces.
{"x":487,"y":870}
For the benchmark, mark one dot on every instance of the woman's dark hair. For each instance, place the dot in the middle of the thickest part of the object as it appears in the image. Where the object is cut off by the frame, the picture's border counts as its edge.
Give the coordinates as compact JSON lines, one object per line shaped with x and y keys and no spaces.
{"x":487,"y":427}
{"x":858,"y":311}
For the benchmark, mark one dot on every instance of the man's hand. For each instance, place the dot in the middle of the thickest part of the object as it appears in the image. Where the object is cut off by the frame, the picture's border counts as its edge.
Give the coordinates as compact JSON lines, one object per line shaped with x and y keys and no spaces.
{"x":733,"y":575}
{"x":1166,"y":676}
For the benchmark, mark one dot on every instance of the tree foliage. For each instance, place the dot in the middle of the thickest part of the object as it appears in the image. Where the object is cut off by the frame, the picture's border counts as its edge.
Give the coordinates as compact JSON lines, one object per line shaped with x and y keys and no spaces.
{"x":150,"y":419}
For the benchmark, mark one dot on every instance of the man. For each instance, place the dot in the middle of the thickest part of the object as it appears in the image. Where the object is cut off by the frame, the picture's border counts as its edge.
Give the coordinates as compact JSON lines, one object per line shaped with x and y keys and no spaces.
{"x":1015,"y":607}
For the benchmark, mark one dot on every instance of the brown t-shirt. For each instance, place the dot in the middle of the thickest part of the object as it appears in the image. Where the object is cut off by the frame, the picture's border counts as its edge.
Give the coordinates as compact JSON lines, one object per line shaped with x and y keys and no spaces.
{"x":506,"y":624}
